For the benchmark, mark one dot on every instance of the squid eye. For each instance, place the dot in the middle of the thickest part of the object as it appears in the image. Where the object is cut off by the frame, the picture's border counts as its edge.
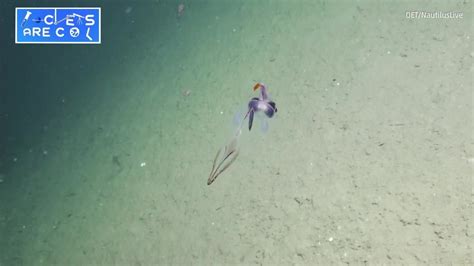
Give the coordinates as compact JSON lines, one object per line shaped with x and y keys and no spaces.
{"x":273,"y":105}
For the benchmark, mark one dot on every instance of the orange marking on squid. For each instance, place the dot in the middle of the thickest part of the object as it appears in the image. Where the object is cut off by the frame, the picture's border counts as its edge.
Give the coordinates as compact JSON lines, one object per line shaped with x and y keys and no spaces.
{"x":257,"y":86}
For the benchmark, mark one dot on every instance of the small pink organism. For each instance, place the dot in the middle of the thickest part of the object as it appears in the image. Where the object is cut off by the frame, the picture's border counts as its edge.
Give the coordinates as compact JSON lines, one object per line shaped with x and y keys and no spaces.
{"x":180,"y":9}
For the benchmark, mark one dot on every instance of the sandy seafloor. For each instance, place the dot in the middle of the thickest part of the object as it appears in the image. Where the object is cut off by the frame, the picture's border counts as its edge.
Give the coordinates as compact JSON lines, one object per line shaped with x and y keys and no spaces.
{"x":368,"y":160}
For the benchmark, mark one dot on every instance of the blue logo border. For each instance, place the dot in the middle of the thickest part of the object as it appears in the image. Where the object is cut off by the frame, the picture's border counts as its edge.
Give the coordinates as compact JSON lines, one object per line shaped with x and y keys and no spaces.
{"x":53,"y":42}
